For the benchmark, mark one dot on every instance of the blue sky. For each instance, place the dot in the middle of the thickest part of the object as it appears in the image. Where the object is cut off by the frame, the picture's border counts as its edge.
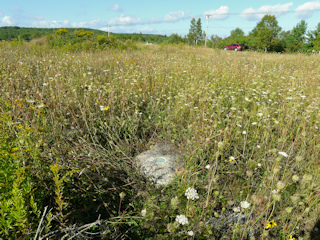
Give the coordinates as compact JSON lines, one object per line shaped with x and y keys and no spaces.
{"x":156,"y":16}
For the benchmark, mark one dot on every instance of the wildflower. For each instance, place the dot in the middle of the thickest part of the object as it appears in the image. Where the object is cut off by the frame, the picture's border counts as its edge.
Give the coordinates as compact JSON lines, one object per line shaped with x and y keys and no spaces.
{"x":307,"y":177}
{"x":259,"y":165}
{"x":144,"y":212}
{"x":41,"y":105}
{"x":254,"y":123}
{"x":208,"y":166}
{"x":281,"y":185}
{"x":30,"y":101}
{"x":190,"y":233}
{"x":232,"y":159}
{"x":244,"y":204}
{"x":244,"y":132}
{"x":258,"y":146}
{"x":283,"y":154}
{"x":191,"y":193}
{"x":259,"y":114}
{"x":271,"y":224}
{"x":103,"y":108}
{"x":174,"y":202}
{"x":292,"y":238}
{"x":236,"y":209}
{"x":182,"y":219}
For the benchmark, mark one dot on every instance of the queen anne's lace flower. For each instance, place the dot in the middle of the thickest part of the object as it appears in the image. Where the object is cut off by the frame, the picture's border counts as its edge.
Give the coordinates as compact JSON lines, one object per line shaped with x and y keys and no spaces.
{"x":191,"y":193}
{"x":283,"y":154}
{"x":182,"y":219}
{"x":236,"y":209}
{"x":144,"y":212}
{"x":244,"y":204}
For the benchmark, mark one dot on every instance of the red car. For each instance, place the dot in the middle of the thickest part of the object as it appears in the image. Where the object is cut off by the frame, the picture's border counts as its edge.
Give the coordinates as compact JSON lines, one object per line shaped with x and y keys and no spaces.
{"x":235,"y":47}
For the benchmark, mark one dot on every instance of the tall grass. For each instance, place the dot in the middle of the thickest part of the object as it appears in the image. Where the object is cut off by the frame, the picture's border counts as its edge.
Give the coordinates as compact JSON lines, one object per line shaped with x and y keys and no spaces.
{"x":71,"y":124}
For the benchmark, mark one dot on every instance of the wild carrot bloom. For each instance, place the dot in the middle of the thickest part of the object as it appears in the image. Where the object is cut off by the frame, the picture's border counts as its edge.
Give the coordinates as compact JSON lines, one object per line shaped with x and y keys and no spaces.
{"x":245,"y":204}
{"x":191,"y":193}
{"x":182,"y":219}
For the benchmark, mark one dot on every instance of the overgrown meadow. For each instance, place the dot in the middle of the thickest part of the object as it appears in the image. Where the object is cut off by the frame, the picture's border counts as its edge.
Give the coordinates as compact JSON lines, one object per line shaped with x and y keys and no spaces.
{"x":72,"y":122}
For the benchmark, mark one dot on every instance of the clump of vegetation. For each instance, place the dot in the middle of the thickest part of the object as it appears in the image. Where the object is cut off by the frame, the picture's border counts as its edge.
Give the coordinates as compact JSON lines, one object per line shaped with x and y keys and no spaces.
{"x":72,"y":122}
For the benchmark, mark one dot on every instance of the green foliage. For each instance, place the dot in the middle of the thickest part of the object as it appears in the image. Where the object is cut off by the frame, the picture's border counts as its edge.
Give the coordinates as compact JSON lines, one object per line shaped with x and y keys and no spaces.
{"x":312,"y":35}
{"x":175,"y":38}
{"x":295,"y":39}
{"x":237,"y":33}
{"x":195,"y":32}
{"x":316,"y":43}
{"x":266,"y":34}
{"x":18,"y":209}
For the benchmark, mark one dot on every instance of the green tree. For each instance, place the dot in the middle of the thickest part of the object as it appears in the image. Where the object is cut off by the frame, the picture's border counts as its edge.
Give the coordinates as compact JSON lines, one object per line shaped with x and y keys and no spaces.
{"x":316,"y":43}
{"x":195,"y":32}
{"x":215,"y":40}
{"x":295,"y":39}
{"x":312,"y":35}
{"x":266,"y":33}
{"x":175,"y":38}
{"x":236,"y":33}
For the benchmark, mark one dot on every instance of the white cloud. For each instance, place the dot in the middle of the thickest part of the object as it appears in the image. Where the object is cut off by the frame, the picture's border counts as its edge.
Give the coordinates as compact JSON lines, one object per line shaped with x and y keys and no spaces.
{"x":174,"y":16}
{"x":66,"y":23}
{"x":116,"y":8}
{"x":90,"y":24}
{"x":154,"y":20}
{"x":125,"y":20}
{"x":36,"y":17}
{"x":7,"y":20}
{"x":306,"y":10}
{"x":277,"y":10}
{"x":146,"y":30}
{"x":219,"y":14}
{"x":51,"y":24}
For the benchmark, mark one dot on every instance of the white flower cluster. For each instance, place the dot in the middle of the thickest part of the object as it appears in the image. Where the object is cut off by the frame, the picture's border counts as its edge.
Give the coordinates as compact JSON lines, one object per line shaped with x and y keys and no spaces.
{"x":283,"y":154}
{"x":191,"y":193}
{"x":182,"y":219}
{"x":244,"y":204}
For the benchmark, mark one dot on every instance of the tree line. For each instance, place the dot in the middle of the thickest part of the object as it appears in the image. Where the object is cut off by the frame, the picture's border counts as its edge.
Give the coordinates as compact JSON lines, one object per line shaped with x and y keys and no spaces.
{"x":267,"y":35}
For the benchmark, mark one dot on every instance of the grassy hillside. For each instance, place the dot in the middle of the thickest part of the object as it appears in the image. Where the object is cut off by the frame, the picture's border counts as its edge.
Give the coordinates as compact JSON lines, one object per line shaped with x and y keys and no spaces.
{"x":71,"y":124}
{"x":10,"y":33}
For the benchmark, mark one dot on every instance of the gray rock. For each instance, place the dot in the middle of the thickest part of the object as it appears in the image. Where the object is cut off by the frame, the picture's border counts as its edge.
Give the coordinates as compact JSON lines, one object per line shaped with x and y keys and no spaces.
{"x":227,"y":222}
{"x":160,"y":164}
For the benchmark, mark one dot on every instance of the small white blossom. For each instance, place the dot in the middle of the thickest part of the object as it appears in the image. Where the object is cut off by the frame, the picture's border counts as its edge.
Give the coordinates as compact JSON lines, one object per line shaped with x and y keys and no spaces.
{"x":254,"y":123}
{"x":208,"y":166}
{"x":244,"y":204}
{"x":182,"y":219}
{"x":143,"y":212}
{"x":259,"y":165}
{"x":283,"y":154}
{"x":191,"y":193}
{"x":190,"y":233}
{"x":259,"y":114}
{"x":244,"y":132}
{"x":236,"y":209}
{"x":258,"y":146}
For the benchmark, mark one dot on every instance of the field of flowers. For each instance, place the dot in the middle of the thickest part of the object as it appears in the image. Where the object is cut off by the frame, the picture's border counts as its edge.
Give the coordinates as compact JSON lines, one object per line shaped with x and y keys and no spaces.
{"x":72,"y":122}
